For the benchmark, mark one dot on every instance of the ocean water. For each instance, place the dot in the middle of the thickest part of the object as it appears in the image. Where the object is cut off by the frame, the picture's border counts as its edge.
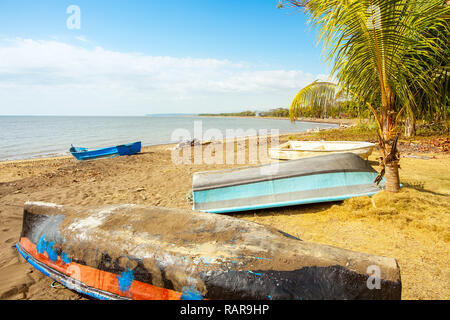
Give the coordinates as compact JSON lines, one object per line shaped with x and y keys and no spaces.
{"x":23,"y":137}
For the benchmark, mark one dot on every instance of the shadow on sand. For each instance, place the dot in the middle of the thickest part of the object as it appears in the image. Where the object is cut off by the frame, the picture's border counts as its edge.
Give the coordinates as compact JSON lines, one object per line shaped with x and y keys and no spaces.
{"x":419,"y":186}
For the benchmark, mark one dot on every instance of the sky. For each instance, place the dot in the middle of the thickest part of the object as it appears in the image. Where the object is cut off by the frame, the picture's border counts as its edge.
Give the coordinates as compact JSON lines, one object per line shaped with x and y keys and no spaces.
{"x":136,"y":57}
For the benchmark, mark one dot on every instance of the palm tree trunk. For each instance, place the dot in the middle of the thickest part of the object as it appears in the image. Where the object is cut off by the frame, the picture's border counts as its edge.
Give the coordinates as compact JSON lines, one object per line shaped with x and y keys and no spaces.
{"x":392,"y":177}
{"x":389,"y":163}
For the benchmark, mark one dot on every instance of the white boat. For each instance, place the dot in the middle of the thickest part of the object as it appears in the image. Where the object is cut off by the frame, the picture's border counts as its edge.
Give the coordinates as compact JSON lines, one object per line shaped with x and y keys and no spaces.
{"x":300,"y":149}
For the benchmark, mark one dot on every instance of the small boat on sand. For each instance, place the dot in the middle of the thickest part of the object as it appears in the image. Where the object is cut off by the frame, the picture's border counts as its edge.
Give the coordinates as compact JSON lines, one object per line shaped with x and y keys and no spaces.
{"x":143,"y":252}
{"x":81,"y":153}
{"x":332,"y":177}
{"x":301,"y":149}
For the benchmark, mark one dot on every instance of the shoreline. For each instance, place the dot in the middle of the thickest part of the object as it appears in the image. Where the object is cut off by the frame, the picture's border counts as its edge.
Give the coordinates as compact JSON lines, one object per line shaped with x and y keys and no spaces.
{"x":166,"y":145}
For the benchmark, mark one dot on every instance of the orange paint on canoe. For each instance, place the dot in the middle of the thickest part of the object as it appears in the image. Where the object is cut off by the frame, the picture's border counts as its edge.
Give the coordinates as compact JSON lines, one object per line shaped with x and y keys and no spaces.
{"x":102,"y":280}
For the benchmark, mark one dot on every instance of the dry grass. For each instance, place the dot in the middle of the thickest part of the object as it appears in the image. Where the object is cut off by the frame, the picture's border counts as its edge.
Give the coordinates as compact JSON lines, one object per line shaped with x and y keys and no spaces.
{"x":360,"y":132}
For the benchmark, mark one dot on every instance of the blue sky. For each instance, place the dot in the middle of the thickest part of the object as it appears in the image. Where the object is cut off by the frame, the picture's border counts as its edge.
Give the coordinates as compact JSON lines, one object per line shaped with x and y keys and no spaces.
{"x":138,"y":57}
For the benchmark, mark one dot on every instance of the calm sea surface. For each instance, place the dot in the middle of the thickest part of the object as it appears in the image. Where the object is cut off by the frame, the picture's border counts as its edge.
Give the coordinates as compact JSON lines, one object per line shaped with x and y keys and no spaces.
{"x":24,"y":137}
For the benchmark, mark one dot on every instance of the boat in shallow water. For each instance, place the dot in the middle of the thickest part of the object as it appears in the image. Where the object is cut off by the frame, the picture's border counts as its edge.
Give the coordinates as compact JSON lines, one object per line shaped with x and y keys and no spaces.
{"x":81,"y":153}
{"x":300,"y":149}
{"x":325,"y":178}
{"x":143,"y":252}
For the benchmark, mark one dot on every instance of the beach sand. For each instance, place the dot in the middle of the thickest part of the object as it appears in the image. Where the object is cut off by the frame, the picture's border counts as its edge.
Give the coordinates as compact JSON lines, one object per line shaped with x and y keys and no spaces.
{"x":418,"y":236}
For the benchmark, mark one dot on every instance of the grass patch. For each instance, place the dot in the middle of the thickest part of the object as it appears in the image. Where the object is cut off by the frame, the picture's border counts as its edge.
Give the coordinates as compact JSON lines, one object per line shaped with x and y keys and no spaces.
{"x":409,"y":208}
{"x":362,"y":132}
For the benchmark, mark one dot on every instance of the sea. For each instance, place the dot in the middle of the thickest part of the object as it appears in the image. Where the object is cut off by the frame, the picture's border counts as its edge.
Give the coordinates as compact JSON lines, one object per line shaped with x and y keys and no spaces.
{"x":25,"y":137}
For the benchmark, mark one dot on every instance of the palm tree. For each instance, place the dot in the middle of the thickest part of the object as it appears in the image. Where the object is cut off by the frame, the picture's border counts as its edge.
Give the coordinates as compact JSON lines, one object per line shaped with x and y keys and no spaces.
{"x":369,"y":43}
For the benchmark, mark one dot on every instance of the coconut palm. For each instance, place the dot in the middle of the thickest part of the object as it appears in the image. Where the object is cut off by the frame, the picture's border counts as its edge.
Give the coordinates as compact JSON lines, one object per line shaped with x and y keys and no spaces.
{"x":369,"y":43}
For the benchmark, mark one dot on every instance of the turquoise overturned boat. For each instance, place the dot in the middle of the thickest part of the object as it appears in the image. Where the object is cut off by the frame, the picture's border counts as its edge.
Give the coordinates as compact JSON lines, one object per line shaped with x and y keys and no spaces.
{"x":325,"y":178}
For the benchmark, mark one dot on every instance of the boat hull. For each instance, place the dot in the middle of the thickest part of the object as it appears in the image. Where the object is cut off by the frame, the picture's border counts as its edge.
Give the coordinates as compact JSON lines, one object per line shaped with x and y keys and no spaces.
{"x":138,"y":252}
{"x":129,"y":149}
{"x":326,"y":178}
{"x":121,"y":150}
{"x":292,"y":150}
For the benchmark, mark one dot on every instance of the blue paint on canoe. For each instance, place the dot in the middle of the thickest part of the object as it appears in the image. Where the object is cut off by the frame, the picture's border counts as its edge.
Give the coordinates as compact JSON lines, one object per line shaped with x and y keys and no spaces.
{"x":64,"y":258}
{"x":190,"y":293}
{"x":303,"y":183}
{"x":255,"y":273}
{"x":125,"y":280}
{"x":42,"y":245}
{"x":51,"y":252}
{"x":81,"y":153}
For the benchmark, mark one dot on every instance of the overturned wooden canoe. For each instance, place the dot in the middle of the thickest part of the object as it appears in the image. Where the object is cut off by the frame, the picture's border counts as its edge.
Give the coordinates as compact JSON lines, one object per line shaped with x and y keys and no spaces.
{"x":139,"y":252}
{"x":326,"y":178}
{"x":301,"y":149}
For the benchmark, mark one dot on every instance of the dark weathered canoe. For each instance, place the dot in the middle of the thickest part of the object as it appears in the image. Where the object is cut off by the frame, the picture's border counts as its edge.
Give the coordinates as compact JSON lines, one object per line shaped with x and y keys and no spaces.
{"x":81,"y":153}
{"x":333,"y":177}
{"x":139,"y":252}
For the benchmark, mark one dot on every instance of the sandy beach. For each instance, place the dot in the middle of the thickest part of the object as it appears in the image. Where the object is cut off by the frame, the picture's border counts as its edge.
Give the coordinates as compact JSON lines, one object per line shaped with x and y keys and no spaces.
{"x":411,"y":226}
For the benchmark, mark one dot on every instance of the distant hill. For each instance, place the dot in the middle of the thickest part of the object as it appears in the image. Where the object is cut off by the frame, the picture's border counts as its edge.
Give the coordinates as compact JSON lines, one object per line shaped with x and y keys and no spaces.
{"x":170,"y":114}
{"x":278,"y":113}
{"x":231,"y":114}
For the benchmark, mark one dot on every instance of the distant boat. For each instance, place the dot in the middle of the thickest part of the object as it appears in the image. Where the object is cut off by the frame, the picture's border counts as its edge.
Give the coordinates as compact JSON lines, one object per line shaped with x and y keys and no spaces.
{"x":142,"y":252}
{"x":332,"y":177}
{"x":81,"y":153}
{"x":301,"y":149}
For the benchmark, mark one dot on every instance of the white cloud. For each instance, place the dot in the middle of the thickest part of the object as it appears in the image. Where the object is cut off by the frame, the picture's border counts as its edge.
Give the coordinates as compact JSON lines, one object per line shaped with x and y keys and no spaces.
{"x":82,"y":38}
{"x":39,"y":77}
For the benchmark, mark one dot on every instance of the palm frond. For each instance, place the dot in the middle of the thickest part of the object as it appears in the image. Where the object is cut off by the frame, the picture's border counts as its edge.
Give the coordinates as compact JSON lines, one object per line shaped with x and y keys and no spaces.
{"x":317,"y":94}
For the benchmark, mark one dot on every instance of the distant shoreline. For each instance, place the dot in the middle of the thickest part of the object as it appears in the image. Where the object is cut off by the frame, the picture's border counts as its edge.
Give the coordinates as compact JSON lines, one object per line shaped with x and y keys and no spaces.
{"x":316,"y":120}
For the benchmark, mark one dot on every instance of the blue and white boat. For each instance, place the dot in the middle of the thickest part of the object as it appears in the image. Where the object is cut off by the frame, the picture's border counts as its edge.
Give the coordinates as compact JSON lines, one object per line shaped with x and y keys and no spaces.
{"x":325,"y":178}
{"x":81,"y":153}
